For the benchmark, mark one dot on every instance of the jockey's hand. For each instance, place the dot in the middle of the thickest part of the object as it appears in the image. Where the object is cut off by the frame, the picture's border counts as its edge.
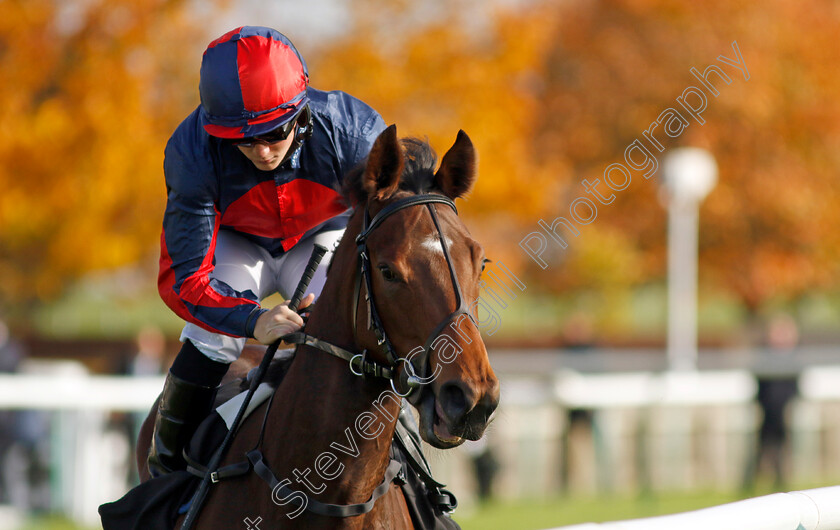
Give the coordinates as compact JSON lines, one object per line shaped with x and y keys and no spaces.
{"x":279,"y":321}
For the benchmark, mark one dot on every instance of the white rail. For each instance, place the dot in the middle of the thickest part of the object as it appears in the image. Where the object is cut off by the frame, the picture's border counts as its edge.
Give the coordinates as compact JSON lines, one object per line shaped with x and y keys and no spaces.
{"x":79,"y":392}
{"x":87,"y":460}
{"x":816,"y":509}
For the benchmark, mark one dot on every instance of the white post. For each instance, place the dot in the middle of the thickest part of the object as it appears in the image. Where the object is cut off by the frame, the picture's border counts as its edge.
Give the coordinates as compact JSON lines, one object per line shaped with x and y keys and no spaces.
{"x":689,"y":175}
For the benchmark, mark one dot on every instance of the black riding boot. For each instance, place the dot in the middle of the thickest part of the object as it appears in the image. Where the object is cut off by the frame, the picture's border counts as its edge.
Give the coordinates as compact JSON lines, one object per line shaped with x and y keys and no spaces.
{"x":182,"y":407}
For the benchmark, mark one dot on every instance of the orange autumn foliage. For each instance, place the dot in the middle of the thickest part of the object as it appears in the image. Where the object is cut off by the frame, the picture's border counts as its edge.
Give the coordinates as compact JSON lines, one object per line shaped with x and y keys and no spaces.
{"x":550,"y":93}
{"x":553,"y":94}
{"x":91,"y":92}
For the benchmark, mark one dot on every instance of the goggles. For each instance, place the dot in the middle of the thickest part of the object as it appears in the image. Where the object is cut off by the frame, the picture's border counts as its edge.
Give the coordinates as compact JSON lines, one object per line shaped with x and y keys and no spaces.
{"x":277,"y":135}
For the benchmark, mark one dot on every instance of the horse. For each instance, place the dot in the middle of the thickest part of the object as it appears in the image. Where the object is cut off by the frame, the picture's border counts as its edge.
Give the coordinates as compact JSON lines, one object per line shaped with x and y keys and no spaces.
{"x":396,"y":306}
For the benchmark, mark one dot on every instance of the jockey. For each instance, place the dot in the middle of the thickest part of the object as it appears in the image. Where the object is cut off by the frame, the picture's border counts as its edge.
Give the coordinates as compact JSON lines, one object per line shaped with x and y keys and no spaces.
{"x":253,"y":180}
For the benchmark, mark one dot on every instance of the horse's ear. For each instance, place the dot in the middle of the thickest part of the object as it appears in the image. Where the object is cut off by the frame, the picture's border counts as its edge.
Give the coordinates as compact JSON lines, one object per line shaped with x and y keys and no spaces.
{"x":384,"y":165}
{"x":456,"y":175}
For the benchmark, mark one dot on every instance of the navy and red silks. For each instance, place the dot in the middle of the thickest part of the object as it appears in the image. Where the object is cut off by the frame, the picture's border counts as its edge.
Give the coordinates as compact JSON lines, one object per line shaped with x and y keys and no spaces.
{"x":211,"y":186}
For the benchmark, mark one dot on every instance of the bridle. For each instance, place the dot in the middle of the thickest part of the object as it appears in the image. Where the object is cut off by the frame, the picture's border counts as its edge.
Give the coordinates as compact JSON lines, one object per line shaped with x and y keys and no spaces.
{"x":359,"y":363}
{"x":410,"y":373}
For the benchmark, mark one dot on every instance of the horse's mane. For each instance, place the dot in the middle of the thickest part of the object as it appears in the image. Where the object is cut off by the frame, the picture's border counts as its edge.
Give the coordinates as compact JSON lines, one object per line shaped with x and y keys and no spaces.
{"x":418,"y":175}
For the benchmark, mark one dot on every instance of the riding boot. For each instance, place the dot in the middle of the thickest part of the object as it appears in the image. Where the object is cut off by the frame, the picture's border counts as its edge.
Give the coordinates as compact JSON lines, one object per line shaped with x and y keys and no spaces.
{"x":182,"y":407}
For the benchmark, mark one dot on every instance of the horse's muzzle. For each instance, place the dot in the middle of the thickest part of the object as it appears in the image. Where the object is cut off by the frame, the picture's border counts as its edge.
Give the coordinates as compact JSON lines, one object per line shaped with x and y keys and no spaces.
{"x":457,"y":412}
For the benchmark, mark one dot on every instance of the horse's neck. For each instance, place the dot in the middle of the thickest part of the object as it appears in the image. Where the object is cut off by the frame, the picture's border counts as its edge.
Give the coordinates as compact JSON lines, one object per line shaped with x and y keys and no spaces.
{"x":325,"y":408}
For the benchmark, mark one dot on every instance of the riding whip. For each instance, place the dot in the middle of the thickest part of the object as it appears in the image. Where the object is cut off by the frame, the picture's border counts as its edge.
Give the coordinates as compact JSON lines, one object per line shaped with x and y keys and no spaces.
{"x":317,"y":255}
{"x":318,"y":252}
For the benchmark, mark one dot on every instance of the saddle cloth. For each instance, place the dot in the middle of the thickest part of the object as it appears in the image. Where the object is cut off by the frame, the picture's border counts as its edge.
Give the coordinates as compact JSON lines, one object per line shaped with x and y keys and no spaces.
{"x":228,"y":410}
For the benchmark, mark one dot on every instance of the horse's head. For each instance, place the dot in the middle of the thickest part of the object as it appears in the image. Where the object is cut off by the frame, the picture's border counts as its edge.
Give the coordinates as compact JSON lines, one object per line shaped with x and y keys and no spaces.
{"x":423,"y":272}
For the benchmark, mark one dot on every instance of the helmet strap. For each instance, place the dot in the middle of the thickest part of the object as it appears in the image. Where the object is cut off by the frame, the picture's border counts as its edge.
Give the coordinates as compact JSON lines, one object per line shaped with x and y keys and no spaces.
{"x":301,"y":132}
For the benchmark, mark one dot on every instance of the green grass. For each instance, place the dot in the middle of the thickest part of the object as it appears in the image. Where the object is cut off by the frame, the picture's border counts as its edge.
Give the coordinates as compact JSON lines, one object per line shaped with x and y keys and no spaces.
{"x":52,"y":523}
{"x":561,"y":511}
{"x":532,"y":514}
{"x":537,"y":514}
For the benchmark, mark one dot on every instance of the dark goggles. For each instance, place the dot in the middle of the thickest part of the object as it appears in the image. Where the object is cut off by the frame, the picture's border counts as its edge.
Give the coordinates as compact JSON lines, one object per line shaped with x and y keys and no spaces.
{"x":277,"y":135}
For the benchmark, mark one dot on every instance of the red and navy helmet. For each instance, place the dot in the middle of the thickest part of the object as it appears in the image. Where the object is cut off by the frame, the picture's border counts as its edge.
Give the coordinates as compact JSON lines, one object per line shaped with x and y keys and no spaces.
{"x":253,"y":80}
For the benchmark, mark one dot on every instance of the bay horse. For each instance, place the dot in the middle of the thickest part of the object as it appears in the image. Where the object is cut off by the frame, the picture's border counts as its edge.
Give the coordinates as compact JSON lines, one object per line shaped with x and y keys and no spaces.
{"x":396,"y":299}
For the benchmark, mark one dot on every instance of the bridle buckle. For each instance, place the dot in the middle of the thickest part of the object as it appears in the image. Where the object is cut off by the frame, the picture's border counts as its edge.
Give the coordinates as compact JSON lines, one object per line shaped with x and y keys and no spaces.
{"x":361,"y":356}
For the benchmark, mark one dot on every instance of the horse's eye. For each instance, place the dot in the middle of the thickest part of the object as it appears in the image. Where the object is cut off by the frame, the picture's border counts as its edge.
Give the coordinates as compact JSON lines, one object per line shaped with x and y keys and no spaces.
{"x":388,"y":274}
{"x":484,"y":264}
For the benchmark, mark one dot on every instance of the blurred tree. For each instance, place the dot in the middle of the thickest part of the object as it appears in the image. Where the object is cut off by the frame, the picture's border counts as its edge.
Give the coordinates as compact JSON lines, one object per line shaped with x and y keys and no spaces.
{"x":550,"y":92}
{"x":770,"y":228}
{"x":92,"y":91}
{"x":441,"y":74}
{"x":553,"y":93}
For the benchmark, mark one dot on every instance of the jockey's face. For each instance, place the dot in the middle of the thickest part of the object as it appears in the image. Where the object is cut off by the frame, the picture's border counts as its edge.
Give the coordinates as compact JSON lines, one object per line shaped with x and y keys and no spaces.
{"x":267,"y":156}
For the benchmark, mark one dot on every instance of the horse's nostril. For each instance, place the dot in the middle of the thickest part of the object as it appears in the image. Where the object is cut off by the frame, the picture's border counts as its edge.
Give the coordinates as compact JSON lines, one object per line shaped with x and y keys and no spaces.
{"x":453,"y":400}
{"x":488,"y":412}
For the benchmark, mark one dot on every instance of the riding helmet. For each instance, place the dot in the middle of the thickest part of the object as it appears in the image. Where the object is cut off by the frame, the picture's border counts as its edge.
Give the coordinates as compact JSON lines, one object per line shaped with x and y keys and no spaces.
{"x":253,"y":80}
